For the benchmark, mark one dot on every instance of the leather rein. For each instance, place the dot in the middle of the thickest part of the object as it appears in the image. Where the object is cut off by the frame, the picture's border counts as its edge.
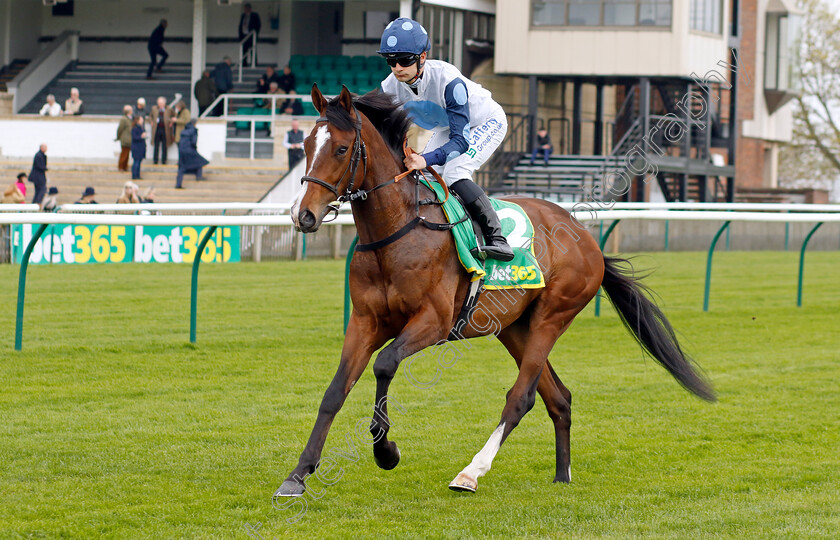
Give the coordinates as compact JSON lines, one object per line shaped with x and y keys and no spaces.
{"x":360,"y":154}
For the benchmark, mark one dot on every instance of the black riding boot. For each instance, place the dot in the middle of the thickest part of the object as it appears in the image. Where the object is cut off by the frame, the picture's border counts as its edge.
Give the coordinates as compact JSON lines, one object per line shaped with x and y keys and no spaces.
{"x":477,"y":204}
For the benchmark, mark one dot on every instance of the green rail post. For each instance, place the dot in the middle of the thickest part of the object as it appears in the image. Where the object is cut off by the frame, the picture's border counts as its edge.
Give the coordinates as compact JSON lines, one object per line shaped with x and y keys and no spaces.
{"x":303,"y":250}
{"x":24,"y":264}
{"x":194,"y":284}
{"x":723,"y":227}
{"x":667,"y":230}
{"x":602,"y":243}
{"x":802,"y":263}
{"x":347,"y":282}
{"x":727,"y":239}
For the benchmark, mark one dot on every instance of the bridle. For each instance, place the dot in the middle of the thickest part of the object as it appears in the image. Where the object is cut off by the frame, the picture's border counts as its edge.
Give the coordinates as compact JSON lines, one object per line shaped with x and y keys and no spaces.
{"x":360,"y":154}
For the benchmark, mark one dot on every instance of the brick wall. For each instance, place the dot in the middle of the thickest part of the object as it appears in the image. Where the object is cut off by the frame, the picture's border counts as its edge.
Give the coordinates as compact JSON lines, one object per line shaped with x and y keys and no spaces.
{"x":749,"y":165}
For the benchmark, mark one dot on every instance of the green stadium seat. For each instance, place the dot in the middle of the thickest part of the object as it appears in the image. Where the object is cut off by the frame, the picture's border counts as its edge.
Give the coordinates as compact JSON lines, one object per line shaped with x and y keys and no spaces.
{"x":262,"y":112}
{"x":311,"y":63}
{"x":303,"y":88}
{"x":243,"y":124}
{"x":331,"y":89}
{"x":309,"y":109}
{"x":358,"y":63}
{"x":342,"y":63}
{"x":296,"y":62}
{"x":331,"y":78}
{"x":326,"y":63}
{"x":375,"y":63}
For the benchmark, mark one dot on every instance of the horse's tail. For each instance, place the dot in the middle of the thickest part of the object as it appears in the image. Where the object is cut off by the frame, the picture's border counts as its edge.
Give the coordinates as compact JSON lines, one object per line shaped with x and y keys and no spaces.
{"x":649,"y":326}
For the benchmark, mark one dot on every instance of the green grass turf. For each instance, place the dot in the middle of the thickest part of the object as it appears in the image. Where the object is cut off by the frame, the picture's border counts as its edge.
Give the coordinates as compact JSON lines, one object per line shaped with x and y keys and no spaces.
{"x":114,"y":426}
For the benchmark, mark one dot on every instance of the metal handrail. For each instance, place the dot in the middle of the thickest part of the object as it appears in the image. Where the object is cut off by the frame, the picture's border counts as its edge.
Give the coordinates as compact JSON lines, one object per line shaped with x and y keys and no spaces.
{"x":252,"y":35}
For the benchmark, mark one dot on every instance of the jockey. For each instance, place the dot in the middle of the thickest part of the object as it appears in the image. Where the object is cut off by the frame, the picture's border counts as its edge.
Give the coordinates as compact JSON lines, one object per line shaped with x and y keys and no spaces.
{"x":467,"y":125}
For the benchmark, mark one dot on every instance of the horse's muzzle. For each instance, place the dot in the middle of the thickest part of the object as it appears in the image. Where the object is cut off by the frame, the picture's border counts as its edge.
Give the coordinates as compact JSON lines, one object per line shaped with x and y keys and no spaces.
{"x":307,"y":221}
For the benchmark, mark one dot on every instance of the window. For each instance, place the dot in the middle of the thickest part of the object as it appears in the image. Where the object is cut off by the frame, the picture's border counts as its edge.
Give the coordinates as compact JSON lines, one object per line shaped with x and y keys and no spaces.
{"x":706,"y":15}
{"x":601,"y":12}
{"x":781,"y":36}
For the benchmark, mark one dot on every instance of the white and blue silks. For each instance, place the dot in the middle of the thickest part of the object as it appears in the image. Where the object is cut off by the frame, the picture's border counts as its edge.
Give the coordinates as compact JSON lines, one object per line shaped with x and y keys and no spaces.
{"x":467,"y":125}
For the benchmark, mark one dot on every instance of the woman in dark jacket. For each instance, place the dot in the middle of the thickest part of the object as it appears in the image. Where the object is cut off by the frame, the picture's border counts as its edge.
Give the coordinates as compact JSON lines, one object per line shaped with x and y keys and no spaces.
{"x":138,"y":146}
{"x":189,"y":160}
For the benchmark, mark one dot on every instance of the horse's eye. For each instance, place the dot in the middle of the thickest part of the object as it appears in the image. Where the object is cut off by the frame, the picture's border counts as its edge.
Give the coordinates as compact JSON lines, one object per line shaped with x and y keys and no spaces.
{"x":341,"y":151}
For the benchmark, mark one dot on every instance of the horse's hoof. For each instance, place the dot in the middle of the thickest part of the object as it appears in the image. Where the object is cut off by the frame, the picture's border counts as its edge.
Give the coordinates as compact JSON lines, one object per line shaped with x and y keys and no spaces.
{"x":388,"y":457}
{"x":289,"y":488}
{"x":463,"y":482}
{"x":564,"y":478}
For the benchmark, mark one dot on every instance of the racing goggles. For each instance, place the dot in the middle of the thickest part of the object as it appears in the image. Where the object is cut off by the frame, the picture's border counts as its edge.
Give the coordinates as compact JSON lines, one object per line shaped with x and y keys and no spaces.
{"x":404,"y":61}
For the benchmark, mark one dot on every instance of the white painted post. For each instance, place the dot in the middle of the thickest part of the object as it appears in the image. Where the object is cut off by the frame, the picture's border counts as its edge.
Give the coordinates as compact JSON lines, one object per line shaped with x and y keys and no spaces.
{"x":284,"y":33}
{"x":337,"y":242}
{"x":199,"y":50}
{"x":258,"y":237}
{"x":405,"y":9}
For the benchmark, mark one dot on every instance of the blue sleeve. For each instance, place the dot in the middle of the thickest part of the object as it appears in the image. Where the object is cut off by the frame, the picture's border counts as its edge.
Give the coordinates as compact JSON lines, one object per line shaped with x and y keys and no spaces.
{"x":458,"y":112}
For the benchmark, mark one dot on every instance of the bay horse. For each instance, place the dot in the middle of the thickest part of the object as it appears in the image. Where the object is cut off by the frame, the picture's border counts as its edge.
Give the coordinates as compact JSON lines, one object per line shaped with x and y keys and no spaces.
{"x":409,"y":286}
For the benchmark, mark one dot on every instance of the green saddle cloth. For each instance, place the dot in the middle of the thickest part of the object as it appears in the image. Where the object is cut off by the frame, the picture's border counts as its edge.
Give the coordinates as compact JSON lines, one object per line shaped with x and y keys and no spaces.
{"x":522,"y":272}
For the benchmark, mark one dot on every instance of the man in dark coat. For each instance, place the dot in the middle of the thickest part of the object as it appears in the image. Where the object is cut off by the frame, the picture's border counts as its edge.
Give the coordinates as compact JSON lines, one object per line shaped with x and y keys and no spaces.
{"x":266,"y":79}
{"x":189,"y":160}
{"x":223,"y":77}
{"x":248,"y":22}
{"x":205,"y":92}
{"x":38,"y":175}
{"x":287,"y":80}
{"x":155,"y":47}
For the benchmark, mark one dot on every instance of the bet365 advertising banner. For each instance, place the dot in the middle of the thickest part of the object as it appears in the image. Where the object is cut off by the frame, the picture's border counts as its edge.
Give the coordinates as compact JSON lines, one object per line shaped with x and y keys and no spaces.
{"x":81,"y":244}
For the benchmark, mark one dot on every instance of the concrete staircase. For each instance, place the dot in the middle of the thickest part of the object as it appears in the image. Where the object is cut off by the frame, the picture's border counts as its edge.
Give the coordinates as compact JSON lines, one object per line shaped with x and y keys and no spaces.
{"x":10,"y":72}
{"x":106,"y":87}
{"x":565,"y":178}
{"x":245,"y":183}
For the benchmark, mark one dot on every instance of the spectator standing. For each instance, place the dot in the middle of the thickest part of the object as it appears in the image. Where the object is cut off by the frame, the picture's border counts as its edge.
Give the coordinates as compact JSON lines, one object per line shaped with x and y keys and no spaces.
{"x":51,"y":107}
{"x":189,"y":160}
{"x":16,"y":193}
{"x":223,"y":77}
{"x":293,"y":141}
{"x":205,"y":92}
{"x":161,"y":121}
{"x":74,"y":106}
{"x":138,"y":146}
{"x":156,"y":49}
{"x":141,"y":107}
{"x":129,"y":194}
{"x":51,"y":202}
{"x":124,"y":137}
{"x":287,"y":80}
{"x":543,"y":146}
{"x":182,"y":117}
{"x":38,"y":175}
{"x":87,"y":196}
{"x":249,"y":21}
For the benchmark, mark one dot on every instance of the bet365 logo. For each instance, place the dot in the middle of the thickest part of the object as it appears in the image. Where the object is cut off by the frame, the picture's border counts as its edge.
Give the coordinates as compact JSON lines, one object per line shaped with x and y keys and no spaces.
{"x":513,"y":273}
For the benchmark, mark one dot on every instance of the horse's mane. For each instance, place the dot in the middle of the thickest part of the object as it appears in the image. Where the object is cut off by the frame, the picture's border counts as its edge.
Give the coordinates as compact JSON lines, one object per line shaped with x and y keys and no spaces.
{"x":383,"y":111}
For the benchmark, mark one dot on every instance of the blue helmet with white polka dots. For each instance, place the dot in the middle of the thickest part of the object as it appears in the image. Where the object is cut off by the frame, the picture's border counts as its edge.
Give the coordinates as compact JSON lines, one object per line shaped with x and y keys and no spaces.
{"x":404,"y":36}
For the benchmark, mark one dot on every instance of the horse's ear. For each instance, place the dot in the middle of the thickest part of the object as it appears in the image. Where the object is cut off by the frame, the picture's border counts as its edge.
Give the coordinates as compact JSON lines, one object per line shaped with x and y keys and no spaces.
{"x":345,"y":99}
{"x":318,"y":100}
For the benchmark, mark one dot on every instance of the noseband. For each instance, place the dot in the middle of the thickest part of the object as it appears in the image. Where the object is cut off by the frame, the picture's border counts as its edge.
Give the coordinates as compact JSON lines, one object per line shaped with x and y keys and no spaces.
{"x":359,"y":154}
